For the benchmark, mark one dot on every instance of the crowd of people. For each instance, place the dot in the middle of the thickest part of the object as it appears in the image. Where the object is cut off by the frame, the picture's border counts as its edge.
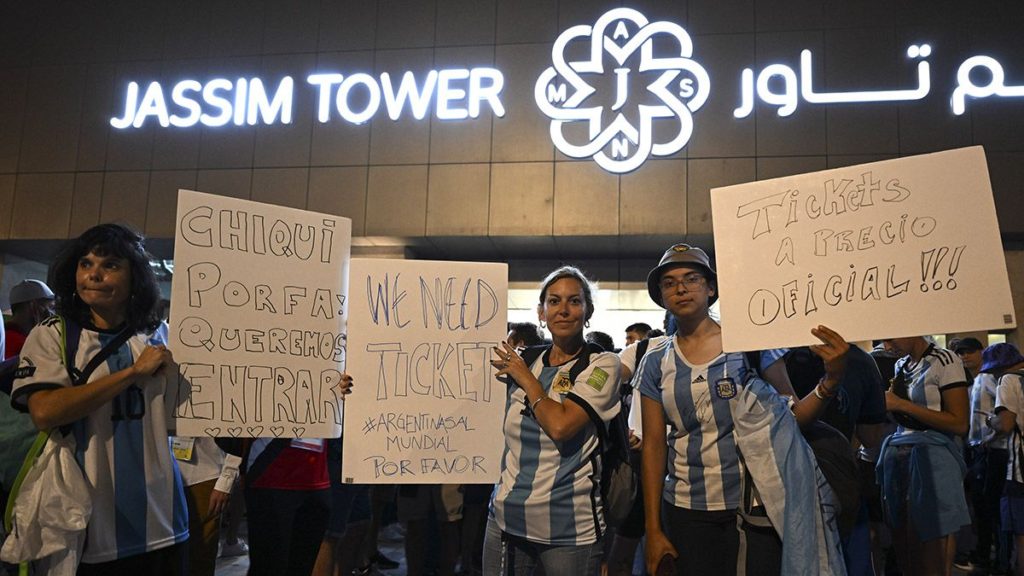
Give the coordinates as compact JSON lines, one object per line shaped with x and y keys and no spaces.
{"x":828,"y":459}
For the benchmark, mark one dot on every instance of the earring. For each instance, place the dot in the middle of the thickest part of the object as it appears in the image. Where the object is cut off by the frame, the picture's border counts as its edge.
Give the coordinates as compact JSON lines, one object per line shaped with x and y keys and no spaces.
{"x":542,"y":325}
{"x":586,"y":324}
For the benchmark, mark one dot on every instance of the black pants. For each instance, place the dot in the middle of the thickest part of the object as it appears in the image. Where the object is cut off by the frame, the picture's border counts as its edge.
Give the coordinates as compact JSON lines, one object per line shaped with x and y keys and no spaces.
{"x":285,"y":529}
{"x":709,"y":543}
{"x":169,"y":561}
{"x":988,"y":474}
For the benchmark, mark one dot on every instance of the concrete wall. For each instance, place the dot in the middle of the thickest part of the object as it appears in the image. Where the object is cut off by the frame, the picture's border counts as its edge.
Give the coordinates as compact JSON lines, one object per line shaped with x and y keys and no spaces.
{"x":488,"y":188}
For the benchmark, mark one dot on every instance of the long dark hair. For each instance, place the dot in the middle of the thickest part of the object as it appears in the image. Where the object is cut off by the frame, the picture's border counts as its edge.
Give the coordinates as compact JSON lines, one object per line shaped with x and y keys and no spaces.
{"x":107,"y":240}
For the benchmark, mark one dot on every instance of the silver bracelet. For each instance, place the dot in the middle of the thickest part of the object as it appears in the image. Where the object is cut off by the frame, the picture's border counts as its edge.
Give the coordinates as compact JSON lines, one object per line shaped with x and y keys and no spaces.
{"x":820,"y":396}
{"x":533,"y":407}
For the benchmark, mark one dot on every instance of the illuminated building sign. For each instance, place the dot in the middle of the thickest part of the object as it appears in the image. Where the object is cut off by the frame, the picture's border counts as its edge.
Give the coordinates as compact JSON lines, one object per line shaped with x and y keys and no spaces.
{"x":618,"y":91}
{"x":356,"y":98}
{"x":622,"y":137}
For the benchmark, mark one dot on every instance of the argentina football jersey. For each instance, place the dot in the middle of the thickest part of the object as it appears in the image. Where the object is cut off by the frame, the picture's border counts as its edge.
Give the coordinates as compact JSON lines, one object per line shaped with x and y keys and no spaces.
{"x":705,"y":466}
{"x":937,"y":370}
{"x":549,"y":491}
{"x":137,"y":494}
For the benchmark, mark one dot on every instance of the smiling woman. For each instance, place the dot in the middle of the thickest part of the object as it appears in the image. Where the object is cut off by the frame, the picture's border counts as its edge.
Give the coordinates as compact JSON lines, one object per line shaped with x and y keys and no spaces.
{"x":547,"y":509}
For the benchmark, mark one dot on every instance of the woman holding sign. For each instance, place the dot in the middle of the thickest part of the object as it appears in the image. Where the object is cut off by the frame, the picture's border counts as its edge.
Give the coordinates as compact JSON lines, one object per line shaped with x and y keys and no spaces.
{"x":715,"y":406}
{"x":547,"y":510}
{"x":111,"y":394}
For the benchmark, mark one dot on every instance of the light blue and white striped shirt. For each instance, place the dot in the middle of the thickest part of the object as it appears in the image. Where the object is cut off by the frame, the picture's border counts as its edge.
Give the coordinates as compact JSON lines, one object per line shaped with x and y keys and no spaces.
{"x":704,"y":469}
{"x":138,"y":500}
{"x":549,"y":492}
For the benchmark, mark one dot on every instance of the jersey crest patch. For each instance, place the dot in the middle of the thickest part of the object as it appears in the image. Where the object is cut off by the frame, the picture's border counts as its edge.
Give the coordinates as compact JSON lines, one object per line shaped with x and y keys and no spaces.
{"x":562,"y":384}
{"x":725,"y":388}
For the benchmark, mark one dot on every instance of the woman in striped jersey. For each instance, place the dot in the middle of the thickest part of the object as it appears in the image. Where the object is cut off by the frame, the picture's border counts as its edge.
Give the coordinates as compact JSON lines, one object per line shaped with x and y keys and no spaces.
{"x":920,"y":466}
{"x":547,"y":509}
{"x":691,"y":473}
{"x":105,"y":287}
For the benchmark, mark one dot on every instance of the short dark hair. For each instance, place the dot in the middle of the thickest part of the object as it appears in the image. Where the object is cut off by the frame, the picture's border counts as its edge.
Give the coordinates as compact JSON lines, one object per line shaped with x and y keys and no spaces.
{"x":526,"y":332}
{"x":107,"y":240}
{"x":641,"y":328}
{"x":601,"y":339}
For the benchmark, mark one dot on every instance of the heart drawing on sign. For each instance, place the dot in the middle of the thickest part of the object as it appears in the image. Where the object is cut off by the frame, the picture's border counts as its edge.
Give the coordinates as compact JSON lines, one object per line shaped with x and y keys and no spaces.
{"x":255,"y":431}
{"x":299,"y":431}
{"x":235,"y":431}
{"x":277,"y":431}
{"x":213,"y":432}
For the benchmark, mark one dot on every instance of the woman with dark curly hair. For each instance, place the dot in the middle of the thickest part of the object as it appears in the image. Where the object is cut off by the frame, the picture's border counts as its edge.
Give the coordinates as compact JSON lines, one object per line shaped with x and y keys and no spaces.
{"x":108,"y":297}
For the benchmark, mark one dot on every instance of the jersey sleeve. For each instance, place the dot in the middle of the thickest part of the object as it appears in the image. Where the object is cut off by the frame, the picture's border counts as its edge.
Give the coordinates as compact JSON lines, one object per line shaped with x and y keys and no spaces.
{"x":628,"y":357}
{"x":635,"y":419}
{"x":650,"y":375}
{"x":598,"y":385}
{"x":988,"y":384}
{"x":953,"y":375}
{"x":1008,"y":394}
{"x":769,"y":357}
{"x":41,"y":366}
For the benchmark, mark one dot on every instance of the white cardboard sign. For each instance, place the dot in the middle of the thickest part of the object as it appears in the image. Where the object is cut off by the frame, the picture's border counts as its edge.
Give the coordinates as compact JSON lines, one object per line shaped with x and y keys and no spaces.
{"x":258,"y":308}
{"x":426,"y":406}
{"x":888,"y":249}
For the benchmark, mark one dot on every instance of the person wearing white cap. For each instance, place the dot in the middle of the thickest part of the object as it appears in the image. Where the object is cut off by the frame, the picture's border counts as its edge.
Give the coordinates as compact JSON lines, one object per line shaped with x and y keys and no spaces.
{"x":31,"y":303}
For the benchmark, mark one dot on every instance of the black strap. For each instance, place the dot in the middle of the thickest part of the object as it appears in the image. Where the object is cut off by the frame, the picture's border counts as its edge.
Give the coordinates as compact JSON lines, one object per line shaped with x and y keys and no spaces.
{"x":72,"y":335}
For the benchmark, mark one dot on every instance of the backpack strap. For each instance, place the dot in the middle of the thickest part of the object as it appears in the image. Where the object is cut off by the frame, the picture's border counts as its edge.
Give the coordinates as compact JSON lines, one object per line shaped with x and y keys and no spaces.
{"x":574,"y":372}
{"x":531,"y":353}
{"x":72,"y":333}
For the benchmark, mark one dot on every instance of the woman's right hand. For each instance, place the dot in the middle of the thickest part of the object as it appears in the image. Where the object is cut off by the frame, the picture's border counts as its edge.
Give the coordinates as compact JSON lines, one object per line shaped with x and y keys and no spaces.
{"x":151,"y":359}
{"x":656,"y":548}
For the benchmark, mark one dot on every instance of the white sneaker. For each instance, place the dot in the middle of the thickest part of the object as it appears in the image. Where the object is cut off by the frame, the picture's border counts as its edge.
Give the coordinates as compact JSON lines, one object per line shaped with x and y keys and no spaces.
{"x":239,"y":548}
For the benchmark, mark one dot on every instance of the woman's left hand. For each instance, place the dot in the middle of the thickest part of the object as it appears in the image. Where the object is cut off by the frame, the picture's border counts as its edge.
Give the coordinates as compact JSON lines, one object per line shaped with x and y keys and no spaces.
{"x":832,"y":350}
{"x":510,"y":363}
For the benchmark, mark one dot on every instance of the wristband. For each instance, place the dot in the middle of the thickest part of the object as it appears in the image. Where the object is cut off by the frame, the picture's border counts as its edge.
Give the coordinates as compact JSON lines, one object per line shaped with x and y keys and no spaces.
{"x":533,"y":407}
{"x":820,"y":396}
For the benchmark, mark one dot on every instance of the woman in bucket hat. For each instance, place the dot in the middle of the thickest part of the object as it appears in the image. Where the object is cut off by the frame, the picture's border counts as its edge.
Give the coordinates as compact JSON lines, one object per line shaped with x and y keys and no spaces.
{"x":689,"y":384}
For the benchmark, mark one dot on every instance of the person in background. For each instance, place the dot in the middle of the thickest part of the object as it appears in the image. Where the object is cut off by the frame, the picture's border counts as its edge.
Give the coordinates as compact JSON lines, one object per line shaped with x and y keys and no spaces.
{"x":1006,"y":363}
{"x":547,"y":511}
{"x":629,"y":534}
{"x":524,"y":334}
{"x":288,"y":501}
{"x":417,"y":504}
{"x":341,"y":551}
{"x":637,"y":332}
{"x":31,"y":303}
{"x":858,"y":413}
{"x":105,"y":286}
{"x":986,"y":457}
{"x":209,"y":475}
{"x":920,"y":466}
{"x":601,"y":339}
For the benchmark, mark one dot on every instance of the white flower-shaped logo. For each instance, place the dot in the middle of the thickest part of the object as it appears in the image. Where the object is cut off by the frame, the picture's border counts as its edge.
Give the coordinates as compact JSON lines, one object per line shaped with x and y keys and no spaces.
{"x":622,"y":137}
